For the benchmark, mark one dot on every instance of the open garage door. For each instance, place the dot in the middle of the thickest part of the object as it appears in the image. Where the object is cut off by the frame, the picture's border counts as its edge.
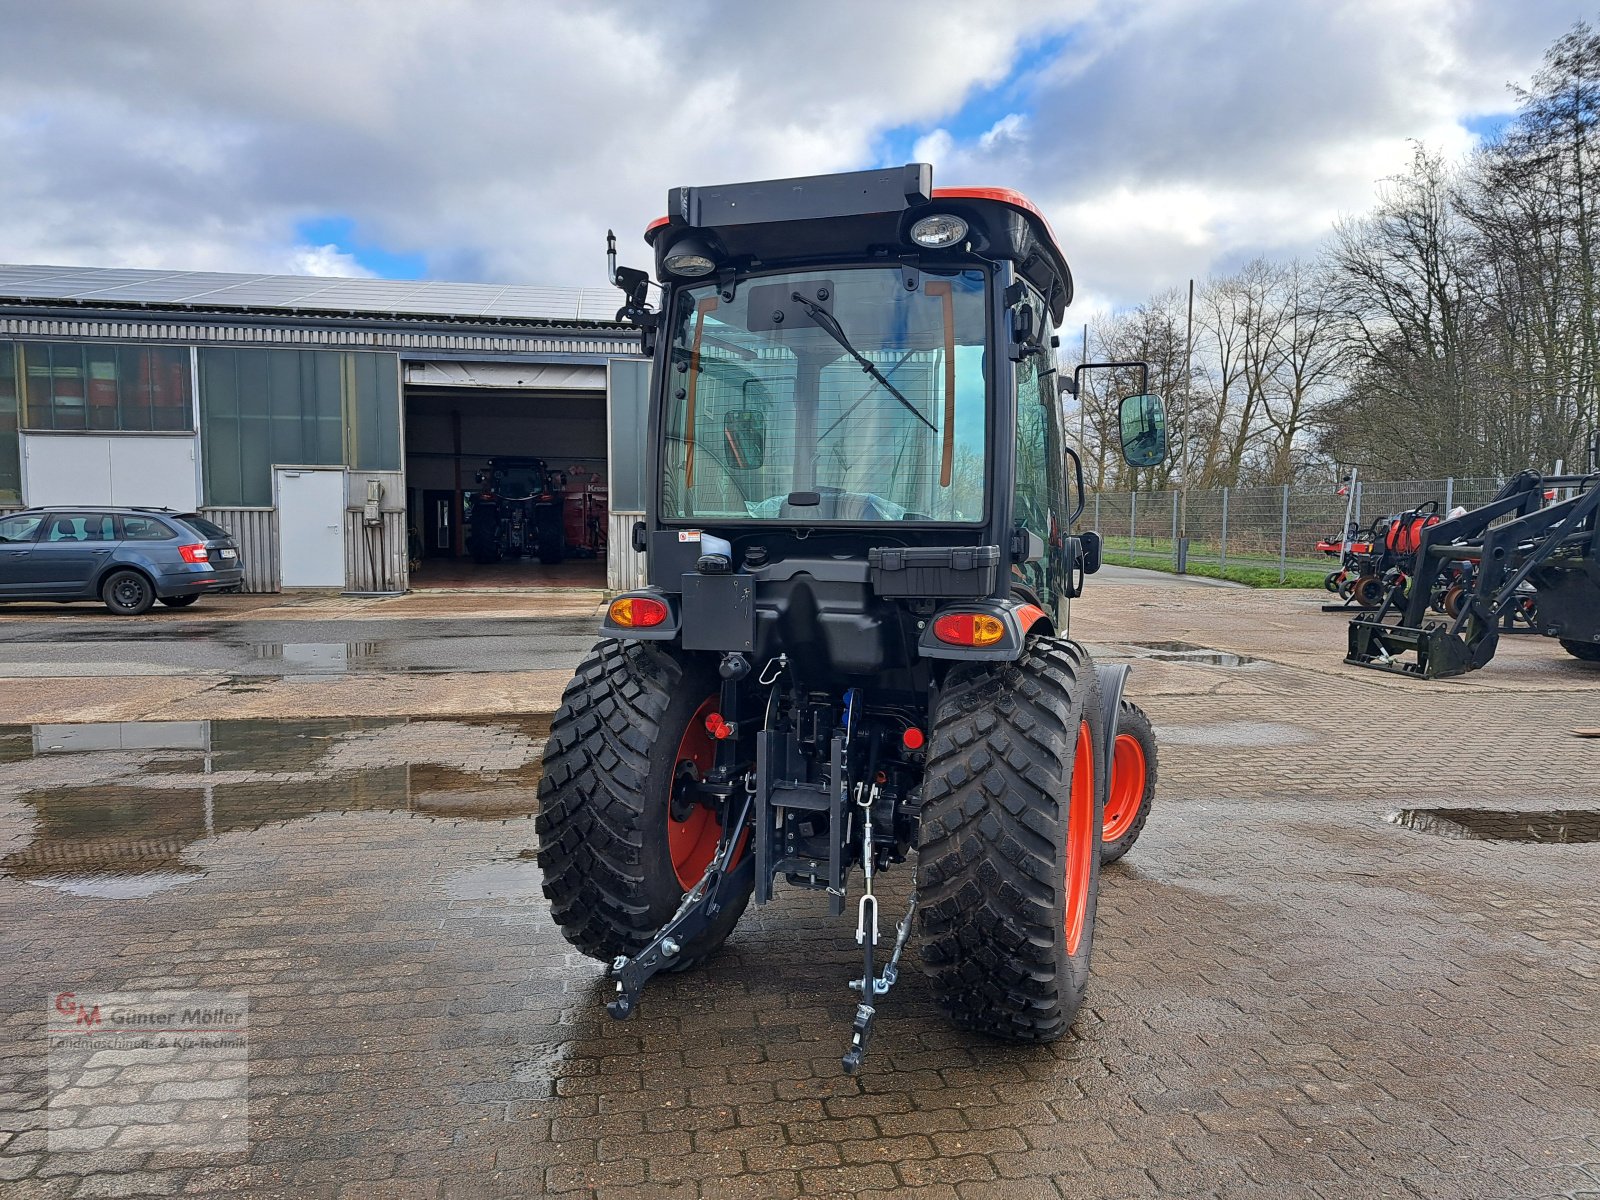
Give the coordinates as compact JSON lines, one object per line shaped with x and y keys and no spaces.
{"x":506,"y":474}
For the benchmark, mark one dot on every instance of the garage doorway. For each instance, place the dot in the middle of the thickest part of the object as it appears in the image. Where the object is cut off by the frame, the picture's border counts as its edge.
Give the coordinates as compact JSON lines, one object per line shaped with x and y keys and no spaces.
{"x":469,"y":424}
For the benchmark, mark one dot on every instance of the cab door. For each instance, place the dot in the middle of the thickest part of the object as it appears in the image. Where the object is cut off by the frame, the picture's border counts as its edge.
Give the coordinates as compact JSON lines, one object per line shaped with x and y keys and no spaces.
{"x":17,"y":537}
{"x":70,"y":553}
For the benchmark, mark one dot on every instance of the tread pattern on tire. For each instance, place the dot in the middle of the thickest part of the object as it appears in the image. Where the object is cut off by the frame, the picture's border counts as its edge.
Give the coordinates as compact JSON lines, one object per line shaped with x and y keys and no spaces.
{"x":991,"y":860}
{"x":1134,"y":720}
{"x":599,"y":850}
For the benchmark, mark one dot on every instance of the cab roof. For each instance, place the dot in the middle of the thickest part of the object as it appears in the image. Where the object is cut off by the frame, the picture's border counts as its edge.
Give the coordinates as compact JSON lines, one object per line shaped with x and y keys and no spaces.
{"x":827,"y":217}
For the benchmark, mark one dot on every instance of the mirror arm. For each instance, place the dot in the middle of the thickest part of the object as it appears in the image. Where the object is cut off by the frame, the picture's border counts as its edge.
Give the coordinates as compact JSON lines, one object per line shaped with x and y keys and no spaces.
{"x":1143,"y":368}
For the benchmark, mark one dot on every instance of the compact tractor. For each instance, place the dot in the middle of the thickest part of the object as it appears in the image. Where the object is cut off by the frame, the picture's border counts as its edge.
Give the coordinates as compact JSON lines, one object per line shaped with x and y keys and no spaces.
{"x":518,"y":511}
{"x":852,"y":650}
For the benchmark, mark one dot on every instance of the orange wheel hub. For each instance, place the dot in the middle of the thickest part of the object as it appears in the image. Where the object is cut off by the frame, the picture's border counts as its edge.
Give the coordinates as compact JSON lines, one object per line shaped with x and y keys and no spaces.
{"x":692,"y":842}
{"x":1126,"y":794}
{"x":1080,"y":838}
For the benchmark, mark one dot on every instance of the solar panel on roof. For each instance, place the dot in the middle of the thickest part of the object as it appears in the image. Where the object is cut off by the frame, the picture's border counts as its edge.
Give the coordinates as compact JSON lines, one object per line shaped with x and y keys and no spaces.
{"x":218,"y":289}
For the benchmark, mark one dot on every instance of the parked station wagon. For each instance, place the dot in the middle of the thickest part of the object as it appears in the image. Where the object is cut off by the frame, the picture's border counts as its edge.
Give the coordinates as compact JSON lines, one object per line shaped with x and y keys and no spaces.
{"x":127,"y":558}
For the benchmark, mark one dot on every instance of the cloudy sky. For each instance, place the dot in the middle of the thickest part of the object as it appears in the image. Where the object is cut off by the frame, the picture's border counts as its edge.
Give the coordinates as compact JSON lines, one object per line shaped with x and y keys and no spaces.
{"x":496,"y":140}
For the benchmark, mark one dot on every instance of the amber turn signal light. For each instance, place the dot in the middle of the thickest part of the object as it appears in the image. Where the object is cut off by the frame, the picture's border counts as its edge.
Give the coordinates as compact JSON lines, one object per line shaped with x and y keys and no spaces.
{"x":637,"y":612}
{"x":969,"y":629}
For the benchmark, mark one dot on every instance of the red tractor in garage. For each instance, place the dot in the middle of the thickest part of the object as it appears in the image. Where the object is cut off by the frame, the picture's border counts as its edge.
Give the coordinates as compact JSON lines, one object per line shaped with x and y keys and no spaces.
{"x":853,"y":649}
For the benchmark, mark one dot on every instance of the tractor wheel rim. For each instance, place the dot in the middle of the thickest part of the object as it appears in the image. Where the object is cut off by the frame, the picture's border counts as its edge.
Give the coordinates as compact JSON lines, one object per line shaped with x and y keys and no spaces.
{"x":1080,"y":840}
{"x":1126,"y":792}
{"x":692,"y":842}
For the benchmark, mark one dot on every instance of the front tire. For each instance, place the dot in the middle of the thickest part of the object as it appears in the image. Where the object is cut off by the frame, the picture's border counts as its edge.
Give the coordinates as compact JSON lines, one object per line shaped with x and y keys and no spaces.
{"x":618,"y":849}
{"x":1132,"y":787}
{"x":1010,"y":844}
{"x":127,"y":593}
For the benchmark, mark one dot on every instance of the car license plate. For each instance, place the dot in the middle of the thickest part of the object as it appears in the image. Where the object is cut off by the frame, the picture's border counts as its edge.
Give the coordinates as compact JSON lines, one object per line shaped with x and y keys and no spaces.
{"x":230,"y":554}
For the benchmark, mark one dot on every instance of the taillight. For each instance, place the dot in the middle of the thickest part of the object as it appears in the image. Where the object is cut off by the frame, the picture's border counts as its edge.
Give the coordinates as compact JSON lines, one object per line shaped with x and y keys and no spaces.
{"x":637,"y":612}
{"x":969,"y":629}
{"x":196,"y":553}
{"x":913,"y":739}
{"x":718,"y":728}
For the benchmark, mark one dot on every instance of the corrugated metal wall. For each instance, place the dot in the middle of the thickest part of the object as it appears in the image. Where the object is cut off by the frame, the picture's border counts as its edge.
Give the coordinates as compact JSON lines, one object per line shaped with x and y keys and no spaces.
{"x":375,"y":555}
{"x":624,"y":565}
{"x":150,"y":326}
{"x":256,"y":531}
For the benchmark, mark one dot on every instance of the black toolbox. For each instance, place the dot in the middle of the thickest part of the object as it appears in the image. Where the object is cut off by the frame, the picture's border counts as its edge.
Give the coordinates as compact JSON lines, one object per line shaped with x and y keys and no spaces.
{"x":933,"y":570}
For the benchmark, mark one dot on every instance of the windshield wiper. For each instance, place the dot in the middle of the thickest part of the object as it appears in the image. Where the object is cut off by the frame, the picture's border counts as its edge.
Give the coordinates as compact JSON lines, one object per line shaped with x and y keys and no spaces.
{"x":832,"y":328}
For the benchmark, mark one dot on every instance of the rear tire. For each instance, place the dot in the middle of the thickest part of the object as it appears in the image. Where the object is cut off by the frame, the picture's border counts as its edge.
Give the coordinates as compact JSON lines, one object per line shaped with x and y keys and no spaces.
{"x":1132,"y":787}
{"x":178,"y":601}
{"x":127,"y":593}
{"x":608,"y":837}
{"x":1010,"y":843}
{"x":1587,"y":651}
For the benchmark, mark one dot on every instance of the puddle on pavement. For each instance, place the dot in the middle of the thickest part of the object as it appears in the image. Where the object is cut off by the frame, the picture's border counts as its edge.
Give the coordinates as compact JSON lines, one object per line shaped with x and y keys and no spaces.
{"x":313,"y":658}
{"x":1184,"y":652}
{"x":1561,"y":825}
{"x":117,"y":808}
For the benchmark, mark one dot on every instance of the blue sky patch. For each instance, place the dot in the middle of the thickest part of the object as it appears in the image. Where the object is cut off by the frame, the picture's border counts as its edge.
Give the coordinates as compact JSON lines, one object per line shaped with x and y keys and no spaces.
{"x":1487,"y":126}
{"x":981,"y":109}
{"x":340,"y":232}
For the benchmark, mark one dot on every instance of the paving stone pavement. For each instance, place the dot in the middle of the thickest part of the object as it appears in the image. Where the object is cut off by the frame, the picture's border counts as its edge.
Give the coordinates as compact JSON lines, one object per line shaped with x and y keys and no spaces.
{"x":1291,"y":995}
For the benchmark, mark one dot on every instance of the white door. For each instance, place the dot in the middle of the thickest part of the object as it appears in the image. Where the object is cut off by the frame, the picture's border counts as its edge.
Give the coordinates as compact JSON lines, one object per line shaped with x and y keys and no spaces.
{"x":310,"y":526}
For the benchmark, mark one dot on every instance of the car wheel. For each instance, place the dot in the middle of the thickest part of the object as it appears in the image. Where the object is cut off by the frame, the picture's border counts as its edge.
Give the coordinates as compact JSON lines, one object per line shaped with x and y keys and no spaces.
{"x":179,"y":601}
{"x":127,"y":593}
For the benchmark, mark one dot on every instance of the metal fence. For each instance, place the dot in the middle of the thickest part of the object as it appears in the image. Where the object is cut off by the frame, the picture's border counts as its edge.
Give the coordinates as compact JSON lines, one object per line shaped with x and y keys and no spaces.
{"x":1269,"y":527}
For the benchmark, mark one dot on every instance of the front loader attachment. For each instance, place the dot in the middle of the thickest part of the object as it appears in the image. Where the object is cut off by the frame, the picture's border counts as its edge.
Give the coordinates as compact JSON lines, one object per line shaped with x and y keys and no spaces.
{"x":1440,"y":652}
{"x":1540,"y":563}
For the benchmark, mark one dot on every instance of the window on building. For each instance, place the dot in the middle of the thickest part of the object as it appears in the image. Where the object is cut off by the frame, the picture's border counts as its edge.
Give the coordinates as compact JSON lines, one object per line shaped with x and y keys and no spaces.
{"x":90,"y":387}
{"x":10,"y":458}
{"x":266,"y":408}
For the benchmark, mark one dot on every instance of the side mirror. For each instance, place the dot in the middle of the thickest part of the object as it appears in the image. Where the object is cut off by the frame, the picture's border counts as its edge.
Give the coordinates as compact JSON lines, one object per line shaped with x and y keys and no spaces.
{"x":1143,"y":425}
{"x":744,"y":434}
{"x":1024,"y":333}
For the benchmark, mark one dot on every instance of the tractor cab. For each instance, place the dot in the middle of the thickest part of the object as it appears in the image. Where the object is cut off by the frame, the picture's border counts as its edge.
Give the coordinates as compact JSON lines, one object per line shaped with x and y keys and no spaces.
{"x":852,"y":649}
{"x":856,"y":394}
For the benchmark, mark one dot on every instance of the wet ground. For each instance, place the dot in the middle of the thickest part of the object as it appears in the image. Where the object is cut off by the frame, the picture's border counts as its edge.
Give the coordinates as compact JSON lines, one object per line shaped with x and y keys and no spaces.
{"x":1293,"y":995}
{"x":264,"y":648}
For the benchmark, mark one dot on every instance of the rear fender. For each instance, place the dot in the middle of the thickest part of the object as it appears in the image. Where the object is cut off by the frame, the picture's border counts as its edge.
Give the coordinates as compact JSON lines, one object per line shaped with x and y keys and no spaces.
{"x":1112,"y":681}
{"x":1020,"y":618}
{"x":667,"y":631}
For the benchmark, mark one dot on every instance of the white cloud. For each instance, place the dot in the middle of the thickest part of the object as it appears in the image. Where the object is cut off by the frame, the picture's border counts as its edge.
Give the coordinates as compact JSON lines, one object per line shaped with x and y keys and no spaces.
{"x":500,"y":138}
{"x":324,"y":260}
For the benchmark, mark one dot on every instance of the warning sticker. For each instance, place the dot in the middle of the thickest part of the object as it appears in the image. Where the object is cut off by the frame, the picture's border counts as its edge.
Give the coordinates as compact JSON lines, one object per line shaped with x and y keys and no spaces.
{"x":689,"y":535}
